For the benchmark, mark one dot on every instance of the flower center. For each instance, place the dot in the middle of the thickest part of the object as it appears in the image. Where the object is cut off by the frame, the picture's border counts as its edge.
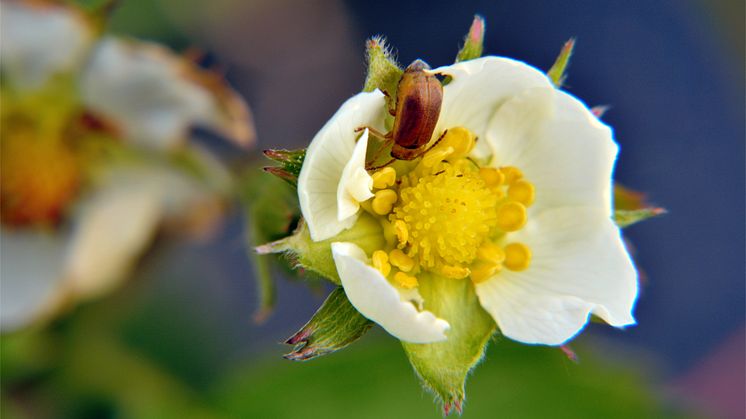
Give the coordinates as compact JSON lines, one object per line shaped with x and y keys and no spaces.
{"x":450,"y":216}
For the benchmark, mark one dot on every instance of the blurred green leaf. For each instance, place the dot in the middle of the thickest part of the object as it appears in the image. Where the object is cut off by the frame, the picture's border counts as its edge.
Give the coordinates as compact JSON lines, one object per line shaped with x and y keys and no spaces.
{"x":374,"y":381}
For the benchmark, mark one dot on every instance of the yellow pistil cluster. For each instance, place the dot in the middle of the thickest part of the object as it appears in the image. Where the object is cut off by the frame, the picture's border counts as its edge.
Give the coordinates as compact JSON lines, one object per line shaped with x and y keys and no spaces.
{"x":449,"y":216}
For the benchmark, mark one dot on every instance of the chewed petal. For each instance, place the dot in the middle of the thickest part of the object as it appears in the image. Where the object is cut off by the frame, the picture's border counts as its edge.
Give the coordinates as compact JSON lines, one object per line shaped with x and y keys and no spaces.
{"x":326,"y":159}
{"x":479,"y":87}
{"x":113,"y":229}
{"x":375,"y":298}
{"x":579,"y":266}
{"x":32,"y":276}
{"x":155,"y":96}
{"x":566,"y":152}
{"x":356,"y":183}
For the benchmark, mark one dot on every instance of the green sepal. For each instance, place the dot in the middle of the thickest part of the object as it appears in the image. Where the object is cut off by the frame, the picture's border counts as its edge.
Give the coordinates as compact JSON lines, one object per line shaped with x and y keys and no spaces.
{"x":317,"y":256}
{"x":473,"y":42}
{"x":335,"y":325}
{"x":291,"y":161}
{"x":443,"y":366}
{"x":271,"y":210}
{"x":384,"y":72}
{"x":625,"y":218}
{"x":557,"y":73}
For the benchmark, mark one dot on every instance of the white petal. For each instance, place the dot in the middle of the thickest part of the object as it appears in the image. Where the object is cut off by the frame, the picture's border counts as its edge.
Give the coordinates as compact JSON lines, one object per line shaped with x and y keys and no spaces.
{"x":356,"y":184}
{"x":375,"y":298}
{"x":326,"y":158}
{"x":156,"y":96}
{"x":579,"y":266}
{"x":559,"y":145}
{"x":31,"y":266}
{"x":479,"y":87}
{"x":40,"y":41}
{"x":113,"y":229}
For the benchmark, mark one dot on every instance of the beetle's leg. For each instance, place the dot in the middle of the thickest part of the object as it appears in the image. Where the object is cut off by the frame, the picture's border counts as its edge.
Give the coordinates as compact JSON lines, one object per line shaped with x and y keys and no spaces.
{"x":381,"y":166}
{"x":436,"y":141}
{"x":384,"y":146}
{"x":375,"y":132}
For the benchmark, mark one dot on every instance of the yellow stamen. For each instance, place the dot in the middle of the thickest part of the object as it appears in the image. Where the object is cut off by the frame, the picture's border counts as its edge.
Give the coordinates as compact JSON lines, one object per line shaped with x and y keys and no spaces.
{"x":511,"y":174}
{"x":384,"y":178}
{"x":402,"y":233}
{"x":491,"y":176}
{"x":436,"y":155}
{"x":517,"y":256}
{"x":381,"y":262}
{"x":522,"y":191}
{"x":384,"y":201}
{"x":491,"y":252}
{"x":401,"y":260}
{"x":406,"y":281}
{"x":482,"y":271}
{"x":460,"y":139}
{"x":511,"y":216}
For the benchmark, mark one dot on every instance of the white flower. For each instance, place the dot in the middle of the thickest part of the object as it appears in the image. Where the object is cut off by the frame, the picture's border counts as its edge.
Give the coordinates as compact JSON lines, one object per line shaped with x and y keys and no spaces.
{"x":75,"y":220}
{"x":524,"y":213}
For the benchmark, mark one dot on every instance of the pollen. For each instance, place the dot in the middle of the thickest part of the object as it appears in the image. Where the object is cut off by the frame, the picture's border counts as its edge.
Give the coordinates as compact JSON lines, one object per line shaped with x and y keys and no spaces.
{"x":448,"y":213}
{"x":384,"y":201}
{"x":405,"y":280}
{"x":384,"y":178}
{"x":380,"y":261}
{"x":511,"y":216}
{"x":401,"y":260}
{"x":522,"y":191}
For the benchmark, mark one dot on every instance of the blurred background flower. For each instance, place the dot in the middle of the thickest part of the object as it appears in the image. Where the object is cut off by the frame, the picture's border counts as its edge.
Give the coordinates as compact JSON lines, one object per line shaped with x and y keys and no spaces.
{"x":95,"y":154}
{"x":178,"y":340}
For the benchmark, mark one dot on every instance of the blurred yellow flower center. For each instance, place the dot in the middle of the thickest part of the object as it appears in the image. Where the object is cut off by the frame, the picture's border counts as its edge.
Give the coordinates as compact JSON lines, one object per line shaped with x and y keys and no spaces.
{"x":38,"y":177}
{"x":449,"y":216}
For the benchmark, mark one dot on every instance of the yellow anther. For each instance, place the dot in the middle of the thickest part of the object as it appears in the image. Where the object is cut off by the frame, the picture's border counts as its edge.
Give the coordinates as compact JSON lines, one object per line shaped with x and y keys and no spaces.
{"x":405,"y":281}
{"x":453,"y":272}
{"x":522,"y":191}
{"x":482,"y":271}
{"x":461,"y":139}
{"x":491,"y":252}
{"x":436,"y":155}
{"x":384,"y":201}
{"x":511,"y":216}
{"x":511,"y":174}
{"x":402,"y":232}
{"x":381,"y":262}
{"x":401,"y":260}
{"x":517,"y":256}
{"x":384,"y":178}
{"x":491,"y":177}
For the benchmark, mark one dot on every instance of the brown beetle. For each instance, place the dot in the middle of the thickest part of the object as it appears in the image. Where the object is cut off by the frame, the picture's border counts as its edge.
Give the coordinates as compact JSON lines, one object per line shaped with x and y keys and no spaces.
{"x":418,"y":100}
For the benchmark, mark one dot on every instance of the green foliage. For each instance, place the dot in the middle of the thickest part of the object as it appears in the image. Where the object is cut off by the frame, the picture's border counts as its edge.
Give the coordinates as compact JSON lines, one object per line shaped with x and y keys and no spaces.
{"x":443,"y":366}
{"x":557,"y":74}
{"x":473,"y":42}
{"x":335,"y":325}
{"x":625,"y":218}
{"x":383,"y":71}
{"x":271,"y":209}
{"x":373,"y":381}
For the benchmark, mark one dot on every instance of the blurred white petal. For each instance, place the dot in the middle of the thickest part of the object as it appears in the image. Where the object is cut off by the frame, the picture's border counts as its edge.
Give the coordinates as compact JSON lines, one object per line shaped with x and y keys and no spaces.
{"x":40,"y":41}
{"x":155,"y":96}
{"x":30,"y":275}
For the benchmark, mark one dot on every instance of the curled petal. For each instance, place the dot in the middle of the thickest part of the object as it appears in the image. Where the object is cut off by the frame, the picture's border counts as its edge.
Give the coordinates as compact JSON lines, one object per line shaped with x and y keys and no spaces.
{"x":579,"y":266}
{"x":558,"y":144}
{"x":375,"y":298}
{"x":356,"y":183}
{"x":326,"y":158}
{"x":41,"y":40}
{"x":478,"y":89}
{"x":155,"y":96}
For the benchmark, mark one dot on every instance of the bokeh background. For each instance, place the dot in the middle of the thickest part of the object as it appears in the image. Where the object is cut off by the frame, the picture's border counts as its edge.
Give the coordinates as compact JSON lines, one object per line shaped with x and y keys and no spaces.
{"x":179,"y":341}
